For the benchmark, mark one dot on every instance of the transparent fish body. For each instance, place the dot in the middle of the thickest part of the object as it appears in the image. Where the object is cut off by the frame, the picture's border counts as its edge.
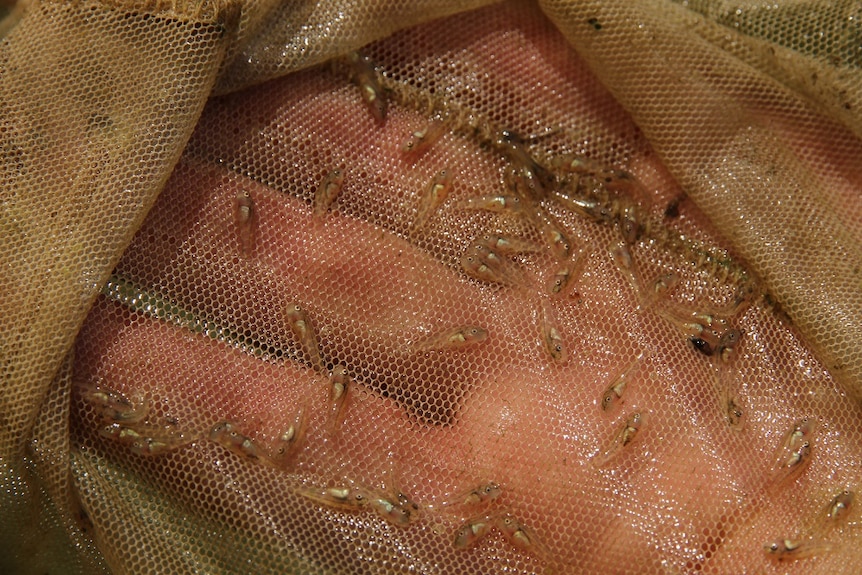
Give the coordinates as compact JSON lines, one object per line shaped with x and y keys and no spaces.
{"x":291,"y":439}
{"x":840,"y":506}
{"x":339,"y":390}
{"x":484,"y":264}
{"x":627,"y":432}
{"x":519,"y":536}
{"x":613,"y":393}
{"x":794,"y":549}
{"x":245,"y":217}
{"x":476,"y":496}
{"x":565,"y":275}
{"x":471,"y":533}
{"x":299,"y":324}
{"x":508,"y":245}
{"x":551,"y":232}
{"x":498,"y":203}
{"x":552,"y":340}
{"x":421,"y":140}
{"x":791,"y":462}
{"x":112,"y":405}
{"x":343,"y":498}
{"x":398,"y":509}
{"x":454,"y":338}
{"x":433,"y":197}
{"x":364,"y":74}
{"x":145,"y":440}
{"x":327,"y":192}
{"x":228,"y":436}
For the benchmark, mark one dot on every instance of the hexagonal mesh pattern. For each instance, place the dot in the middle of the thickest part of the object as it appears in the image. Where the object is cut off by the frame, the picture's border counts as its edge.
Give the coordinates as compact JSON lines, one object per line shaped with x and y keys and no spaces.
{"x":452,"y":304}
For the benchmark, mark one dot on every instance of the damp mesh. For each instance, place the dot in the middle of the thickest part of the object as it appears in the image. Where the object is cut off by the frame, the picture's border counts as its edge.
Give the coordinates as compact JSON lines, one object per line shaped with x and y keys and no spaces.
{"x":143,"y":308}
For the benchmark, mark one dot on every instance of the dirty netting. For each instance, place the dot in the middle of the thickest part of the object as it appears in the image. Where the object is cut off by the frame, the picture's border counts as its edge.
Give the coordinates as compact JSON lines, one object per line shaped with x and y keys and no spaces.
{"x":368,"y":287}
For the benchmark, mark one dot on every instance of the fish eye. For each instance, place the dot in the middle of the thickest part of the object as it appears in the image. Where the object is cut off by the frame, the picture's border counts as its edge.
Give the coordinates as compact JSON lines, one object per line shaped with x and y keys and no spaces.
{"x":701,"y":345}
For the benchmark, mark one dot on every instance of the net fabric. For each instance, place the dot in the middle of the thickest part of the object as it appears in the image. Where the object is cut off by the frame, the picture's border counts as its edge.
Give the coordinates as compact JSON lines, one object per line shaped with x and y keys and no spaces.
{"x":82,"y":163}
{"x":813,"y":50}
{"x":747,"y":149}
{"x":290,"y":36}
{"x":193,"y":326}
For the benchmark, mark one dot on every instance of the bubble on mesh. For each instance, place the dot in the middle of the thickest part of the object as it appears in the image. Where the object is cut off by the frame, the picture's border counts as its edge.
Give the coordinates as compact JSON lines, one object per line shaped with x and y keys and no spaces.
{"x":192,"y":377}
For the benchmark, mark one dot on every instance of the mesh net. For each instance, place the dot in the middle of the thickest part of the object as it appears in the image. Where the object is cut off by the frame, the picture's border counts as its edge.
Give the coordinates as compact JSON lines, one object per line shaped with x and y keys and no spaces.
{"x":567,"y":288}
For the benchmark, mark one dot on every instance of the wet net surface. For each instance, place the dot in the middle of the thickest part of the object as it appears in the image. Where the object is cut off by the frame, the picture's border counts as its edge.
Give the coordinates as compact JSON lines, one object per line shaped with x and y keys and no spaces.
{"x":442,"y":307}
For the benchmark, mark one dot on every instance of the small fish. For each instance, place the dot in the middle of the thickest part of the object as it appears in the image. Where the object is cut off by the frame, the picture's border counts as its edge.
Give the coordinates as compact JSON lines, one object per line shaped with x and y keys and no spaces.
{"x":792,"y":550}
{"x":401,"y":512}
{"x":482,"y":494}
{"x":799,"y":432}
{"x":144,"y":445}
{"x":328,"y":190}
{"x":554,"y":343}
{"x":612,"y":179}
{"x":612,"y":195}
{"x":112,"y":405}
{"x":551,"y":232}
{"x":483,"y":264}
{"x":477,"y":269}
{"x":432,"y":199}
{"x":727,"y":343}
{"x":226,"y":435}
{"x":364,"y":74}
{"x":709,"y":334}
{"x":508,"y":245}
{"x":245,"y":217}
{"x":149,"y":446}
{"x":518,"y":535}
{"x":292,"y":437}
{"x":557,"y":242}
{"x":454,"y":338}
{"x":121,"y":433}
{"x":339,"y":388}
{"x":794,"y":452}
{"x":567,"y":274}
{"x":627,"y":433}
{"x":840,"y":505}
{"x":614,"y":392}
{"x":532,"y":176}
{"x":551,"y":338}
{"x":498,"y":203}
{"x":475,"y":496}
{"x":791,"y":463}
{"x":469,"y":534}
{"x":586,"y":207}
{"x":575,"y":164}
{"x":631,"y":223}
{"x":661,"y":285}
{"x":421,"y":140}
{"x":301,"y":327}
{"x":489,"y":256}
{"x":834,"y":514}
{"x":344,"y":498}
{"x":632,"y":426}
{"x":622,"y":258}
{"x":524,"y":180}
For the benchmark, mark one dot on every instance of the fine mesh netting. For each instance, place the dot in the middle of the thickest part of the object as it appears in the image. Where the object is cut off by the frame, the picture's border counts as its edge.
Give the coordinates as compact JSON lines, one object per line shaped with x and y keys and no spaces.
{"x":328,"y":288}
